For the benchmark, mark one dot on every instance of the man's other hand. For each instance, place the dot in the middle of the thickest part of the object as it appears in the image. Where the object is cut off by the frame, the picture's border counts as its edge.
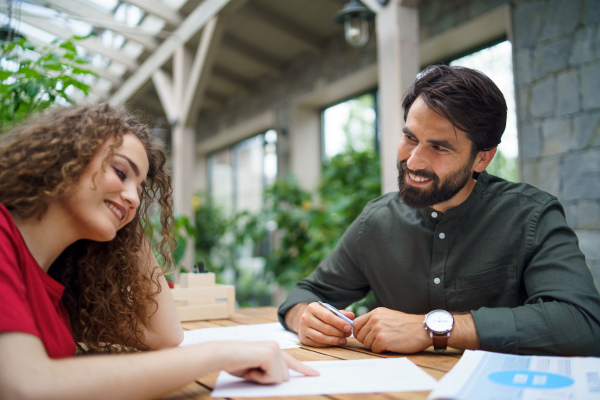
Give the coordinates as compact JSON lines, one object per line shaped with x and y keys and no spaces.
{"x":387,"y":330}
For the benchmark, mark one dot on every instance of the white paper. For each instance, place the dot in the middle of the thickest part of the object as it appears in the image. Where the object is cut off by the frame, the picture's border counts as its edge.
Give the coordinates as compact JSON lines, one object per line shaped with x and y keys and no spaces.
{"x":259,"y":332}
{"x":343,"y":376}
{"x":483,"y":375}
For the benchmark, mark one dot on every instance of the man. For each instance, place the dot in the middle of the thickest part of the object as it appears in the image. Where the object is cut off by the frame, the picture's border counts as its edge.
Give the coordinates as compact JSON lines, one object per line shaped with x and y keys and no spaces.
{"x":492,"y":263}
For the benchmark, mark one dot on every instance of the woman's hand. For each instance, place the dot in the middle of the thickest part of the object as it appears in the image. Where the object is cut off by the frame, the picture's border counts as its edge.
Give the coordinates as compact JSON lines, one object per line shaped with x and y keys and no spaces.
{"x":261,"y":362}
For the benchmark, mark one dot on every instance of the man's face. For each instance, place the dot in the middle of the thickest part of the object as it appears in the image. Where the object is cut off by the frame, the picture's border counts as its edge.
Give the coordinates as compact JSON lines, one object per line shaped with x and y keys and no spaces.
{"x":435,"y":162}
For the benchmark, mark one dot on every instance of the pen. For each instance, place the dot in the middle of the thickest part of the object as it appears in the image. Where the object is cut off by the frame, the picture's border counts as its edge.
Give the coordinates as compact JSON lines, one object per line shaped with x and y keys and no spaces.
{"x":337,"y":312}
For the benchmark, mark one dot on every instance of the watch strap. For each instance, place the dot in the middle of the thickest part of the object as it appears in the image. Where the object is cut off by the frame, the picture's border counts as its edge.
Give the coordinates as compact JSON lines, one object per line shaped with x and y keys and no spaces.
{"x":440,"y":342}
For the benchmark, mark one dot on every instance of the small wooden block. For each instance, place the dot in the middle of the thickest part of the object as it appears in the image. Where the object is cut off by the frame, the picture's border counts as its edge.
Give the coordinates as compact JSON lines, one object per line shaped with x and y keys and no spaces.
{"x":198,"y":297}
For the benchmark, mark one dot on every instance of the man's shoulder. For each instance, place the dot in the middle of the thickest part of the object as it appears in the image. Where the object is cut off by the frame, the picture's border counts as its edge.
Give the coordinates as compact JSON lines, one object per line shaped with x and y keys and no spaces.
{"x":500,"y":190}
{"x":386,"y":205}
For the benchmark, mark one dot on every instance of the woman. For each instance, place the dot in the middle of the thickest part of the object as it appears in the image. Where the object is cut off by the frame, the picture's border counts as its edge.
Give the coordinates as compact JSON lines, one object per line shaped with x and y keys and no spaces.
{"x":76,"y":186}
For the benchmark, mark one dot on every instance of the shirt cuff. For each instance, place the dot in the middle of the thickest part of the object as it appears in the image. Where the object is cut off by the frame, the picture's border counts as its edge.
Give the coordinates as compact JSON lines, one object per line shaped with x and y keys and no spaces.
{"x":296,"y":296}
{"x":496,"y":330}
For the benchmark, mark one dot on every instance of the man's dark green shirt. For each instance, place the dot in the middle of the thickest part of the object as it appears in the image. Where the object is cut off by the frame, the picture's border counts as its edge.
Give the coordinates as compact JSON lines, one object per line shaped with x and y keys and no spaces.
{"x":506,"y":254}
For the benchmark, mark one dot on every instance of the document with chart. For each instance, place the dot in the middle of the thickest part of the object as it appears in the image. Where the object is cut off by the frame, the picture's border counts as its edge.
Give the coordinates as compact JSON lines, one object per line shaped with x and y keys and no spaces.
{"x":481,"y":375}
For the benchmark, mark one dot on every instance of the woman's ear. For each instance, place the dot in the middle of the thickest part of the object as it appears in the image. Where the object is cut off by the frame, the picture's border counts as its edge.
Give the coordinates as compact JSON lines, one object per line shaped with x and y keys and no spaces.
{"x":483,"y":159}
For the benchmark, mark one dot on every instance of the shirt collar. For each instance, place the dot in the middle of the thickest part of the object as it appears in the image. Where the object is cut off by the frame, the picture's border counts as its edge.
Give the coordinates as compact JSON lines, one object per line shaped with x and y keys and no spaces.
{"x":462,"y":207}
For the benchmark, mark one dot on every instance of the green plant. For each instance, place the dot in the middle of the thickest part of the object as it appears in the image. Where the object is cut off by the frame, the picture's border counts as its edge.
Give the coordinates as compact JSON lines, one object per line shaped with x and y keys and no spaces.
{"x":303,"y":228}
{"x":210,"y":227}
{"x":183,"y":232}
{"x":33,"y":78}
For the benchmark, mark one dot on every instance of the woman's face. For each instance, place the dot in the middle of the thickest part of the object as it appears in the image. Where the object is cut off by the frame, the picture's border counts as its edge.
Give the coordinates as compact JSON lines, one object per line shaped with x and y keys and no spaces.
{"x":106,"y":197}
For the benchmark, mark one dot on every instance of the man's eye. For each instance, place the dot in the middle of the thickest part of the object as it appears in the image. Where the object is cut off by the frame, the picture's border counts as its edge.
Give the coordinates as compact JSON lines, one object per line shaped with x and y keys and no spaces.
{"x":440,"y":149}
{"x":410,"y":138}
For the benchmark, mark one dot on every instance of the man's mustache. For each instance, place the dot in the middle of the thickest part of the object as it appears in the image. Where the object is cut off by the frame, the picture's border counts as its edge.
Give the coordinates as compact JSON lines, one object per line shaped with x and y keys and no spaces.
{"x":419,"y":172}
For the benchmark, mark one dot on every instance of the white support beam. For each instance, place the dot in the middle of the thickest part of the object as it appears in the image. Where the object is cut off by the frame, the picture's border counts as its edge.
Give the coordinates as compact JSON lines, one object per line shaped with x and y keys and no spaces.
{"x":164,"y":88}
{"x":373,"y":5}
{"x":92,"y":44}
{"x":200,"y":72}
{"x":192,"y":24}
{"x":97,"y":16}
{"x":398,"y":62}
{"x":159,"y":9}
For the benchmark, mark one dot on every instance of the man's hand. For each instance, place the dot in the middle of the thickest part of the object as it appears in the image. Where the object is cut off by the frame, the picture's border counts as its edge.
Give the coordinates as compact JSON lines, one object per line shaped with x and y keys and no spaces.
{"x":317,"y":326}
{"x":386,"y":330}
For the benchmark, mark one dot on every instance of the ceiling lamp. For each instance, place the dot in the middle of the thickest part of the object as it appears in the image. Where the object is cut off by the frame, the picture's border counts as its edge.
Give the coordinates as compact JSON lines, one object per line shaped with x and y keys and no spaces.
{"x":355,"y":18}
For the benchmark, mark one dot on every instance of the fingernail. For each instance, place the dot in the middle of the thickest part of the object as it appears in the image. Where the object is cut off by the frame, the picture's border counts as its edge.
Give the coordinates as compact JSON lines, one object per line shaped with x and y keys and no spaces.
{"x":343,"y":341}
{"x":347,"y":328}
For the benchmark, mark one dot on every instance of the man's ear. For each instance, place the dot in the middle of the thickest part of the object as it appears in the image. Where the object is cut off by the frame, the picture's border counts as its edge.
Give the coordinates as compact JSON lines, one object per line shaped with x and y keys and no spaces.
{"x":483,"y":159}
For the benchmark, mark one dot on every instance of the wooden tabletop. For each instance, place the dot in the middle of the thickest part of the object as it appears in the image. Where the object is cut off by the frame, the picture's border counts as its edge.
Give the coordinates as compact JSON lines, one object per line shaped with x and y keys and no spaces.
{"x":435,"y":364}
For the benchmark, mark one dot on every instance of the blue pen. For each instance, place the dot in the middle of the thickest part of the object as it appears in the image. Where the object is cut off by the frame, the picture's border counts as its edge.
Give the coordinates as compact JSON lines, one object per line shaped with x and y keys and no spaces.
{"x":336,"y":312}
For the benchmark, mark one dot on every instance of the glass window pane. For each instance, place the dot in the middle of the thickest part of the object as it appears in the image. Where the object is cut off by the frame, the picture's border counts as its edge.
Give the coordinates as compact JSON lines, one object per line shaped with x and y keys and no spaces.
{"x":249,"y":174}
{"x":349,"y":125}
{"x":220,"y":167}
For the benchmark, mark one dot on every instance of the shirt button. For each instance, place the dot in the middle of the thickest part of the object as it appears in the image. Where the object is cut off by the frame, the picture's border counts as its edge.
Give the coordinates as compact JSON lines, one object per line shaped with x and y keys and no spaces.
{"x":442,"y":235}
{"x":434,"y":214}
{"x":437,"y":281}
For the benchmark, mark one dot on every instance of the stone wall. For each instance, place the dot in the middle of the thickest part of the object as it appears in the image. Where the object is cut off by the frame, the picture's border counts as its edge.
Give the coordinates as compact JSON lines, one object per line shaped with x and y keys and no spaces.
{"x":556,"y":52}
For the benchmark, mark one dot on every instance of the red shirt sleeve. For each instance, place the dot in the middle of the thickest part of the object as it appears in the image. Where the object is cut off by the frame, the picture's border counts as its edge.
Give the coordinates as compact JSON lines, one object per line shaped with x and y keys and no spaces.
{"x":30,"y":300}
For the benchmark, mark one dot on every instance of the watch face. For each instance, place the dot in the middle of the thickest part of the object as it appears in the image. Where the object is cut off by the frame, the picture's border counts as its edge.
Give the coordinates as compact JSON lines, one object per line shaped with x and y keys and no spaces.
{"x":439,"y":321}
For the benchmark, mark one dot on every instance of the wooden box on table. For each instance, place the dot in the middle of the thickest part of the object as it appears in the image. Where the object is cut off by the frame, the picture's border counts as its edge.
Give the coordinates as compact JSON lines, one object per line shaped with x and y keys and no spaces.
{"x":198,"y":297}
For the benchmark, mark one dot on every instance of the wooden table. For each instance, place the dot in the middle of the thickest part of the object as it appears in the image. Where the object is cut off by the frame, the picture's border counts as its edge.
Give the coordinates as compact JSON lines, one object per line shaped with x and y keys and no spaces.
{"x":435,"y":364}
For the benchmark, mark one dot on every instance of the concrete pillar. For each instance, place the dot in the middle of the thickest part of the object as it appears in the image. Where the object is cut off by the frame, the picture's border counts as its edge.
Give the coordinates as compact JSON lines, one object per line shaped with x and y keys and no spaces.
{"x":305,"y":145}
{"x":397,"y":27}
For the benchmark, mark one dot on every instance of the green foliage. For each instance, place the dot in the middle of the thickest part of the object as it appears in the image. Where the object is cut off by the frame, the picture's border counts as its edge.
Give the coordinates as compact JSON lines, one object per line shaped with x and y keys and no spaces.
{"x":303,"y":228}
{"x":183,"y":232}
{"x":504,"y":167}
{"x":32,"y":78}
{"x":210,"y":226}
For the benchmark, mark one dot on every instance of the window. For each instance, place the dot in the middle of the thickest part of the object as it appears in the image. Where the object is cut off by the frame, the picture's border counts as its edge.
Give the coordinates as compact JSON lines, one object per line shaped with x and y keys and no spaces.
{"x":496,"y":62}
{"x":351,"y":124}
{"x":239,"y":174}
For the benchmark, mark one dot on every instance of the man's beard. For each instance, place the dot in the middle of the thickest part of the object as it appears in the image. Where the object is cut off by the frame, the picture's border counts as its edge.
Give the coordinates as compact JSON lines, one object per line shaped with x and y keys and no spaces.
{"x":439,"y":192}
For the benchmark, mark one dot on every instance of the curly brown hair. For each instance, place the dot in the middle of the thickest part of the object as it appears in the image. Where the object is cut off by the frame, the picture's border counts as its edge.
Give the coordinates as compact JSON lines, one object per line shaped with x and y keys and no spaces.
{"x":106,"y":294}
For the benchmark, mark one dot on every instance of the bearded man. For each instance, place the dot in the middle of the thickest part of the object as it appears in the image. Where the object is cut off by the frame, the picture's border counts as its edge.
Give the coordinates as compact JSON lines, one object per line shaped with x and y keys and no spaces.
{"x":457,"y":257}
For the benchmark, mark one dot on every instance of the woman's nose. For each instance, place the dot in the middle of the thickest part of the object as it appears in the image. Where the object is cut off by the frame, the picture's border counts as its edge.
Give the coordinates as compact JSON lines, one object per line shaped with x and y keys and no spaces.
{"x":131,"y":196}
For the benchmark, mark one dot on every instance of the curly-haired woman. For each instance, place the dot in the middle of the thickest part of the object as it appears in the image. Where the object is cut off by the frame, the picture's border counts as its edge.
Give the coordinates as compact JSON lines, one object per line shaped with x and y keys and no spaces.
{"x":76,"y":186}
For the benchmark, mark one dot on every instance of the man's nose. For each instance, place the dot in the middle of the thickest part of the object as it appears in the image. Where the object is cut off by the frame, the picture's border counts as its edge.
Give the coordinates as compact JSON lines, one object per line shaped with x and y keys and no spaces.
{"x":417,"y":159}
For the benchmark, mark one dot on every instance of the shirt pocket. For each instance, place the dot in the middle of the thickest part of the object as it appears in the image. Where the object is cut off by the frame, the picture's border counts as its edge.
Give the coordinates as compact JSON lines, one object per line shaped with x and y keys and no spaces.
{"x":496,"y":287}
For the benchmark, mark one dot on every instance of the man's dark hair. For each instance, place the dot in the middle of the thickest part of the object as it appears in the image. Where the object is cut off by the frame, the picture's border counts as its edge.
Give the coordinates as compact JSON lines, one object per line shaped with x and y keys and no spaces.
{"x":465,"y":97}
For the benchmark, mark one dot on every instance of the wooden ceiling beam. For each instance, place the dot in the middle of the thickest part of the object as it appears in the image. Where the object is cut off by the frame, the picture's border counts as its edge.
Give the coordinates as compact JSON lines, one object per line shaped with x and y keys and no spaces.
{"x":253,"y":53}
{"x":158,"y":9}
{"x":285,"y":25}
{"x":231,"y":77}
{"x":195,"y":21}
{"x":92,"y":44}
{"x":97,"y":16}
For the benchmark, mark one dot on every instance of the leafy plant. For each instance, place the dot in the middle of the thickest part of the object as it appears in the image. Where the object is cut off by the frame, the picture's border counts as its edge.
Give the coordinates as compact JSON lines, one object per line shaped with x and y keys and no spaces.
{"x":303,"y":228}
{"x":33,"y":78}
{"x":183,"y":232}
{"x":210,"y":227}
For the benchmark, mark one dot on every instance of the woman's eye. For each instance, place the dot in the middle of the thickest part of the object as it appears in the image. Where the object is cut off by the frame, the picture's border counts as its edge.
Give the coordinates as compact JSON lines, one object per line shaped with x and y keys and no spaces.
{"x":120,"y":174}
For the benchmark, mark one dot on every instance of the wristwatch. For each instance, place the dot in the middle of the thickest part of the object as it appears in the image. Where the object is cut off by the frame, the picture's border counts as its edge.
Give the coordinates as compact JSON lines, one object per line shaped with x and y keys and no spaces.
{"x":439,"y":323}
